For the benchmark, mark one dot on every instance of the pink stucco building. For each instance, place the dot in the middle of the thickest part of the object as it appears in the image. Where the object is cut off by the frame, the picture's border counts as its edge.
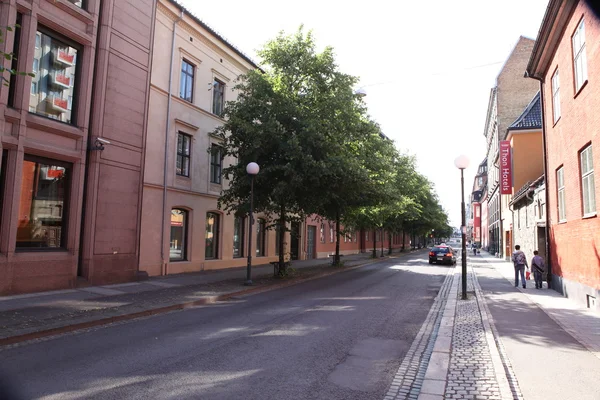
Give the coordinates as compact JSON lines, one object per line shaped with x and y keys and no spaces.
{"x":72,"y":141}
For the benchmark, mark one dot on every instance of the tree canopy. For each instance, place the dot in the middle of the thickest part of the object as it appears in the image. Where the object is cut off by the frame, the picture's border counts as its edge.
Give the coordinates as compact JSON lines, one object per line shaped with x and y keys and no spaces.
{"x":318,"y":150}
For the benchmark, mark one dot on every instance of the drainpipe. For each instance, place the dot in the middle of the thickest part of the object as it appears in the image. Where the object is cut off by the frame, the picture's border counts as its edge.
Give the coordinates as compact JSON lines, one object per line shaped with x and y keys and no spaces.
{"x":168,"y":128}
{"x":545,"y":160}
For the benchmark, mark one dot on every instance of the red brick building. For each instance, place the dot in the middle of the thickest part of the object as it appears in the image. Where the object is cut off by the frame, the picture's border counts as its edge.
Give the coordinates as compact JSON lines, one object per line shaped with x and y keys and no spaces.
{"x":566,"y":61}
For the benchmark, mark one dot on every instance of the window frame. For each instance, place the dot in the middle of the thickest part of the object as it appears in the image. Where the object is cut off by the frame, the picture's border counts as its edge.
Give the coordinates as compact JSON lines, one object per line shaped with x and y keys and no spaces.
{"x":322,"y":238}
{"x":65,"y":40}
{"x":184,"y":77}
{"x":184,"y":241}
{"x":216,"y":163}
{"x":64,"y":228}
{"x":181,"y":155}
{"x":12,"y":80}
{"x":560,"y":194}
{"x":216,"y":232}
{"x":217,"y":83}
{"x":589,"y":176}
{"x":579,"y":55}
{"x":555,"y":88}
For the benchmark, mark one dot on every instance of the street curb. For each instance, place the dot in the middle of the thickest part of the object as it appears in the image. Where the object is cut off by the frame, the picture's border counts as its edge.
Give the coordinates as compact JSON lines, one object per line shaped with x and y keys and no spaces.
{"x":175,"y":307}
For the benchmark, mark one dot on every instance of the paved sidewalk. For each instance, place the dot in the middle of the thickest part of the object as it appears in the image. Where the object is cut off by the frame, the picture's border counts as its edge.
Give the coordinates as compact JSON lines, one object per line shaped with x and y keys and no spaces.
{"x":580,"y":322}
{"x":30,"y":316}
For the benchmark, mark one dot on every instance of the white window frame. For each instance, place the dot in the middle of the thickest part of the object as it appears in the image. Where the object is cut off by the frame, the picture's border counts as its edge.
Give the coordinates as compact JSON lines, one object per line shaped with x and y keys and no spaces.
{"x":579,"y":56}
{"x":588,"y":188}
{"x":560,"y":194}
{"x":556,"y":96}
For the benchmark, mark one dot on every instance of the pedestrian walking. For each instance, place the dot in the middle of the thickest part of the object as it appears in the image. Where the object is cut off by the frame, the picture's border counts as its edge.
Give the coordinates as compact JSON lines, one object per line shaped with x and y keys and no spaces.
{"x":538,"y":267}
{"x":520,"y":262}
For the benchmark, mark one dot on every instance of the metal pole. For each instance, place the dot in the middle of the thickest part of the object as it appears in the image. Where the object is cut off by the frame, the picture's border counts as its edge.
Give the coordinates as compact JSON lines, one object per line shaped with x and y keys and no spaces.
{"x":250,"y":229}
{"x":464,"y":236}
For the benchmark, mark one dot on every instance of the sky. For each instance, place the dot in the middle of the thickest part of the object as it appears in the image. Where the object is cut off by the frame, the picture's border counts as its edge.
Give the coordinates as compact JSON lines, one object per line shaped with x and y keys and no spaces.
{"x":427,"y":66}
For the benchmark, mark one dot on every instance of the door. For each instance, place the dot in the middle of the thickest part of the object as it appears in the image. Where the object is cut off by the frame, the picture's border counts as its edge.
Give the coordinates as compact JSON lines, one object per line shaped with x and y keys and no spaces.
{"x":295,"y":240}
{"x":508,"y":248}
{"x":311,"y":234}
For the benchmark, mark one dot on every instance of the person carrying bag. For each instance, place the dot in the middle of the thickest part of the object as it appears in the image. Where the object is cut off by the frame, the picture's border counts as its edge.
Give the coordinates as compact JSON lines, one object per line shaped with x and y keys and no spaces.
{"x":537,"y":264}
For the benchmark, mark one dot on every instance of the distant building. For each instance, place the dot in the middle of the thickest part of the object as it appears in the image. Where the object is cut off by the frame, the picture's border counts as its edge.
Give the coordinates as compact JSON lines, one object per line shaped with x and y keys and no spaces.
{"x":508,"y":98}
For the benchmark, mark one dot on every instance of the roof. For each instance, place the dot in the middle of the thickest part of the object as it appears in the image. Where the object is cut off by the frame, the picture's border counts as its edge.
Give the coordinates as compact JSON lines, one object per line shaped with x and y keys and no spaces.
{"x":557,"y":16}
{"x":214,"y":33}
{"x":531,"y":118}
{"x":484,"y":162}
{"x":526,"y":189}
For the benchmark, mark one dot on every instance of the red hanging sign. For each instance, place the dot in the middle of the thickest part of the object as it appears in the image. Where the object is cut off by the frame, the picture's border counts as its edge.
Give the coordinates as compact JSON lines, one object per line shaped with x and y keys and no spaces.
{"x":505,"y":167}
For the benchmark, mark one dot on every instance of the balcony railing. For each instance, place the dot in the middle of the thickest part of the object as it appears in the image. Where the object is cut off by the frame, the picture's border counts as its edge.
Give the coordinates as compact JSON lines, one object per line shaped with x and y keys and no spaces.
{"x":60,"y":80}
{"x":58,"y":104}
{"x":63,"y":57}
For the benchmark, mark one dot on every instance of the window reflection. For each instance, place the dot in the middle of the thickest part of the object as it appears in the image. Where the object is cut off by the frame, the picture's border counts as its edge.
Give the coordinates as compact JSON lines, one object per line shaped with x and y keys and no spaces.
{"x":42,"y":205}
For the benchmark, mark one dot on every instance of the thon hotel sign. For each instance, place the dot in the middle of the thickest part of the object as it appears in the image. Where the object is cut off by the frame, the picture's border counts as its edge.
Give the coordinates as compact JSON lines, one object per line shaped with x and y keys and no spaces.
{"x":505,"y":168}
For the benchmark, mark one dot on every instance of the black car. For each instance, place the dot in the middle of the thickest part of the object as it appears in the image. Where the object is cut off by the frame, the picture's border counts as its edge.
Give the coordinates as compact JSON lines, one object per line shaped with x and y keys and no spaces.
{"x":442,"y":255}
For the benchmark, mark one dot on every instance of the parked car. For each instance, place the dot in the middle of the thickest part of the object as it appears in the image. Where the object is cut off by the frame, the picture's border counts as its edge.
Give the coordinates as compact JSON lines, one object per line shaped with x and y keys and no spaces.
{"x":442,"y":254}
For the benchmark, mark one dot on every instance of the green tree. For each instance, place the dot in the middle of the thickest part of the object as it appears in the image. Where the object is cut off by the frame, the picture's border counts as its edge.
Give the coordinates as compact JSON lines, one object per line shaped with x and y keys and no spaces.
{"x":286,"y":119}
{"x":4,"y":56}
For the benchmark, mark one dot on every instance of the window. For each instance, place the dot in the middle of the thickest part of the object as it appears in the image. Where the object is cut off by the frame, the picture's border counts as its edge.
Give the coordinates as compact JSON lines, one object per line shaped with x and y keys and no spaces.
{"x":178,"y":241}
{"x":587,"y":181}
{"x":579,"y":57}
{"x":55,"y":65}
{"x":331,"y":235}
{"x":38,"y":40}
{"x":2,"y":179}
{"x":33,"y":88}
{"x":218,"y":97}
{"x":43,"y":203}
{"x":322,"y":233}
{"x":186,"y":85}
{"x":216,"y":159}
{"x":238,"y":237}
{"x":555,"y":96}
{"x":355,"y":237}
{"x":277,"y":241}
{"x":183,"y":154}
{"x":212,"y":235}
{"x":260,"y":237}
{"x":12,"y":82}
{"x":560,"y":184}
{"x":366,"y":236}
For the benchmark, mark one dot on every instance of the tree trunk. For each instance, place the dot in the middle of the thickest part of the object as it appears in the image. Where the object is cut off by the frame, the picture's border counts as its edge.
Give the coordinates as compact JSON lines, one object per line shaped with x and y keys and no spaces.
{"x":336,"y":258}
{"x":281,"y":233}
{"x":390,"y":243}
{"x":374,"y":244}
{"x":403,"y":239}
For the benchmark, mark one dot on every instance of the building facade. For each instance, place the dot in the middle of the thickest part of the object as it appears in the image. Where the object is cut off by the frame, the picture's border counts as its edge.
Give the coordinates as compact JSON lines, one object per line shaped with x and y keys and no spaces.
{"x":566,"y":62}
{"x":508,"y":98}
{"x":70,"y":200}
{"x":526,"y":206}
{"x":191,"y":80}
{"x":477,"y":196}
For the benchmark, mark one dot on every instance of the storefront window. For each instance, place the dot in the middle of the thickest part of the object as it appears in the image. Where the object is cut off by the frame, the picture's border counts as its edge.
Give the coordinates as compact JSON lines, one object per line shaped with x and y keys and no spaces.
{"x":212,"y":235}
{"x":43,"y":204}
{"x":178,"y":248}
{"x":52,"y":88}
{"x":260,"y":237}
{"x":238,"y":237}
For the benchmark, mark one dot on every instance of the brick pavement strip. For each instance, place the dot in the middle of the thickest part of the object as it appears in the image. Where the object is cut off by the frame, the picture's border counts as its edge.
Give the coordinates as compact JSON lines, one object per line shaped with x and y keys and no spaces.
{"x":410,"y":377}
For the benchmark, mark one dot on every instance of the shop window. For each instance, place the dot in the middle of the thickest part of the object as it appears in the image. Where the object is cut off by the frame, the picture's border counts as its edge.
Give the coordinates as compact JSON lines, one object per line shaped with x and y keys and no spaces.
{"x":212,"y":236}
{"x":178,"y":243}
{"x":43,"y":204}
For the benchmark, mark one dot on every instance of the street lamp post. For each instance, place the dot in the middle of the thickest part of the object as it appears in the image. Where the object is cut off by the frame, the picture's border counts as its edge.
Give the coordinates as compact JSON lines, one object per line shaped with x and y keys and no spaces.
{"x":461,"y":163}
{"x":252,"y":169}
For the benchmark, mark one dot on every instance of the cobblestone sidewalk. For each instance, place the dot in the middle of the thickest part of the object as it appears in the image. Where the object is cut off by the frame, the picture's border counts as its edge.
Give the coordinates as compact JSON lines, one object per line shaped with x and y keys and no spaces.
{"x":456,"y":355}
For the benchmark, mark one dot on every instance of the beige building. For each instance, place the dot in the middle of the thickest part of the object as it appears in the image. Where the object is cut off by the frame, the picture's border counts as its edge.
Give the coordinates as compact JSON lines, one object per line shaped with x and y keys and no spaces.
{"x":192,"y":78}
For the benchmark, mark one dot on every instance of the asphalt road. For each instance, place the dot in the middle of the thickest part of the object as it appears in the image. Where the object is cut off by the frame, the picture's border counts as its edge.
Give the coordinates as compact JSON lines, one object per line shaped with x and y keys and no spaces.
{"x":340,"y":337}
